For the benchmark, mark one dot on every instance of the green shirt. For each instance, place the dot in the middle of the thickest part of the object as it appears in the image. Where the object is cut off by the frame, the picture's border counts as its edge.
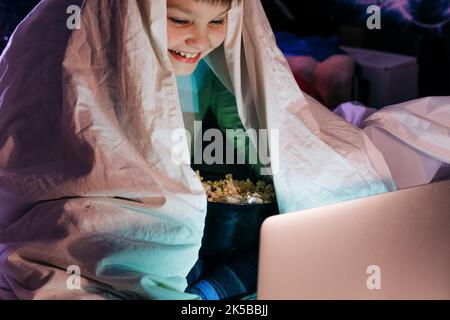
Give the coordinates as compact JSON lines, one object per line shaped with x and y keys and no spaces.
{"x":203,"y":90}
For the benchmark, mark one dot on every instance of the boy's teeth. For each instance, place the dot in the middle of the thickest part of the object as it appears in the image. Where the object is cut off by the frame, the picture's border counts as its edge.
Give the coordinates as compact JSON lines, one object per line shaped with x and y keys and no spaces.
{"x":187,"y":55}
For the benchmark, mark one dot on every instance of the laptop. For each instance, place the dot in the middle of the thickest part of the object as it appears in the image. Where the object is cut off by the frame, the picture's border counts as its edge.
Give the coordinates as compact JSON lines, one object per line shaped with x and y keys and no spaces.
{"x":390,"y":246}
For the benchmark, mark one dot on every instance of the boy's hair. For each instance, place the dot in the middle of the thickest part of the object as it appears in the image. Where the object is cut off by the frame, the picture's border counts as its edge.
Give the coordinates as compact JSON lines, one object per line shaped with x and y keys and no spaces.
{"x":217,"y":1}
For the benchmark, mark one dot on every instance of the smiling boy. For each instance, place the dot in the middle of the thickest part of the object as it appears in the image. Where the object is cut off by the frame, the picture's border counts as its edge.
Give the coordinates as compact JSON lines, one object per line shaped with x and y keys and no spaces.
{"x":194,"y":29}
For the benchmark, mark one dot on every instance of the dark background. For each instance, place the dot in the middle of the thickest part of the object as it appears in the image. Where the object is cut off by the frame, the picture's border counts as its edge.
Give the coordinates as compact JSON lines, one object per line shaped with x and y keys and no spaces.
{"x":11,"y":13}
{"x":418,"y":28}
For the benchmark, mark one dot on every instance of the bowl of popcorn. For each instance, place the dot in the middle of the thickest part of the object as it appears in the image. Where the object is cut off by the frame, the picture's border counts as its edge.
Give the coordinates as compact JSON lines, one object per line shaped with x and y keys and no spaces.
{"x":235,"y":212}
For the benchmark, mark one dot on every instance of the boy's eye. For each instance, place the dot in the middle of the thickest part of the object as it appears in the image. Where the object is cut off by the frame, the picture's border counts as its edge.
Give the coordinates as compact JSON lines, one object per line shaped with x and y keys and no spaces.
{"x":182,"y":22}
{"x":218,"y":22}
{"x":178,"y":21}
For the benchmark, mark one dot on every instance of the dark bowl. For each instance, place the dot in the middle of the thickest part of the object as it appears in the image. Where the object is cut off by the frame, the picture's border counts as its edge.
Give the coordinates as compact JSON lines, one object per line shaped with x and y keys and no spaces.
{"x":233,"y":228}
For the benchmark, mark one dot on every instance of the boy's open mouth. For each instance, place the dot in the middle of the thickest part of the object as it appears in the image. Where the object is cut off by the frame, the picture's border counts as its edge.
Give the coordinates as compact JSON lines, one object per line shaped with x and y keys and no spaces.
{"x":185,"y":57}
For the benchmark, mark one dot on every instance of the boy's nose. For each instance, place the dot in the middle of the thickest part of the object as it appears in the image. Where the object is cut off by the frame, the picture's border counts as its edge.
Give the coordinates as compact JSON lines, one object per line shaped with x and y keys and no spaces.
{"x":199,"y":40}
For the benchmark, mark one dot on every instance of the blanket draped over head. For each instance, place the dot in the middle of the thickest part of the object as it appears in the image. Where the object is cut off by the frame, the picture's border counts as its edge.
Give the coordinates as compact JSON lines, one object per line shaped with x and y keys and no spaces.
{"x":91,"y":204}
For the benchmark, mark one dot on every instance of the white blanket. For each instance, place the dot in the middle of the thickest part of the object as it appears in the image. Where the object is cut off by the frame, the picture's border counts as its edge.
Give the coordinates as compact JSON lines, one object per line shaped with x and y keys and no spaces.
{"x":414,"y":138}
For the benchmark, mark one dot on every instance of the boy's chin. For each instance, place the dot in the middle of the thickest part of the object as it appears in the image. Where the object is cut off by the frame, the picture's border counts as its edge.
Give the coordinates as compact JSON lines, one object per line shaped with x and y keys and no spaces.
{"x":184,"y":71}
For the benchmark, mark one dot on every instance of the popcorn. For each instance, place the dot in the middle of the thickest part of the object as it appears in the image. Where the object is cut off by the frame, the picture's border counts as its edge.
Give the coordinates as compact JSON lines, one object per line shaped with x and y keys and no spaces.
{"x":233,"y":191}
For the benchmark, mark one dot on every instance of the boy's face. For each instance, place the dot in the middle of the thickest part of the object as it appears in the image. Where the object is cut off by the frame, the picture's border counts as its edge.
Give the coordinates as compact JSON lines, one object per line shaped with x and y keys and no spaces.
{"x":194,"y":29}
